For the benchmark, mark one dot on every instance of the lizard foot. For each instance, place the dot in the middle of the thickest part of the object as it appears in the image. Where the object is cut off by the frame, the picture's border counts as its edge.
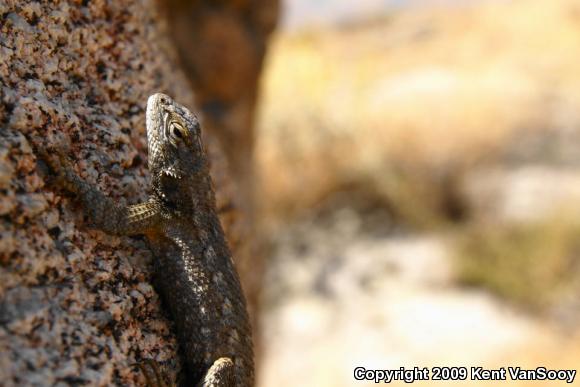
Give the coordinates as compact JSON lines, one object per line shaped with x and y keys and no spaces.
{"x":54,"y":157}
{"x":153,"y":375}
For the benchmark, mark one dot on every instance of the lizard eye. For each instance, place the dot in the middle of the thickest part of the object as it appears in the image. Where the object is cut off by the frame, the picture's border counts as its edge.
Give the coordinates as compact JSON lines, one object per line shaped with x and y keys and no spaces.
{"x":177,"y":130}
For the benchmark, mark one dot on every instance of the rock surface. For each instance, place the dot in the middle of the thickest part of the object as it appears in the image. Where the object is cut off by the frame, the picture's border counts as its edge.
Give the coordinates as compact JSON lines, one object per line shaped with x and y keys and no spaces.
{"x":76,"y":305}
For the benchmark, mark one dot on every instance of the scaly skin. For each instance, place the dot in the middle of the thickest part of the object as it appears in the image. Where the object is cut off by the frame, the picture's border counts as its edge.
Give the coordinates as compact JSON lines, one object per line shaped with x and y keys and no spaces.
{"x":194,"y":272}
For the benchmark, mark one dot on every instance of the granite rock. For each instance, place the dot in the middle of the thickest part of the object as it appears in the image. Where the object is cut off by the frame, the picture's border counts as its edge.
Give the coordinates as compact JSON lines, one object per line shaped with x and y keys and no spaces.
{"x":76,"y":305}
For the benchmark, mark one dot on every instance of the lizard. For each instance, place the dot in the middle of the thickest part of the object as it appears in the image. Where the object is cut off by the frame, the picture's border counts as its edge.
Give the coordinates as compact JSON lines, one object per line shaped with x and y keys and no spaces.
{"x":193,"y":268}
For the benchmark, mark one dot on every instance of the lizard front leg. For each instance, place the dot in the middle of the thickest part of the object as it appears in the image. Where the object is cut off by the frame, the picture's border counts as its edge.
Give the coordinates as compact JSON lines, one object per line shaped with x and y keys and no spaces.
{"x":109,"y":217}
{"x":102,"y":211}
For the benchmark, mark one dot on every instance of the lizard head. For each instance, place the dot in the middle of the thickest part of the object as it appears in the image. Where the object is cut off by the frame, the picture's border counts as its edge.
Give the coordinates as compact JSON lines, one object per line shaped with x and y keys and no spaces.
{"x":174,"y":137}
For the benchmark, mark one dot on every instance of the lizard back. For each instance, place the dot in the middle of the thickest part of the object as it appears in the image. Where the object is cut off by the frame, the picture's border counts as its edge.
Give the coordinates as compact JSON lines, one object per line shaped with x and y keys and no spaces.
{"x":195,"y":272}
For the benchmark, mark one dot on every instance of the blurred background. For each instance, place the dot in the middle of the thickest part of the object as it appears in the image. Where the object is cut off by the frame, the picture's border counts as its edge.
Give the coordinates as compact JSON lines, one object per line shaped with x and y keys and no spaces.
{"x":419,"y":178}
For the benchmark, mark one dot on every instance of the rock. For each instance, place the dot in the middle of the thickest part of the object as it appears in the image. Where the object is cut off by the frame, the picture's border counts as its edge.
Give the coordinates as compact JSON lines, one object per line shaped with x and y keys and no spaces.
{"x":76,"y":306}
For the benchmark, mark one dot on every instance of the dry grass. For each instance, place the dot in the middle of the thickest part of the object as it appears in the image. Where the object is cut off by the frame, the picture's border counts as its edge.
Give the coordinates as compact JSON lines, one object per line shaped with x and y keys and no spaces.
{"x":535,"y":265}
{"x":412,"y":102}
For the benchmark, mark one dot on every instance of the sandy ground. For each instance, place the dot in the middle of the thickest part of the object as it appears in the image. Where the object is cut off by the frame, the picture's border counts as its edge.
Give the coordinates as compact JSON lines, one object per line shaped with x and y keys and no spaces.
{"x":342,"y":296}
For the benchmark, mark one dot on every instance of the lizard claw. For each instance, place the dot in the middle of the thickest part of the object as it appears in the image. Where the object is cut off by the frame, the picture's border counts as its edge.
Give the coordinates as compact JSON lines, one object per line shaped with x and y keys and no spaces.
{"x":152,"y":373}
{"x":59,"y":167}
{"x":53,"y":155}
